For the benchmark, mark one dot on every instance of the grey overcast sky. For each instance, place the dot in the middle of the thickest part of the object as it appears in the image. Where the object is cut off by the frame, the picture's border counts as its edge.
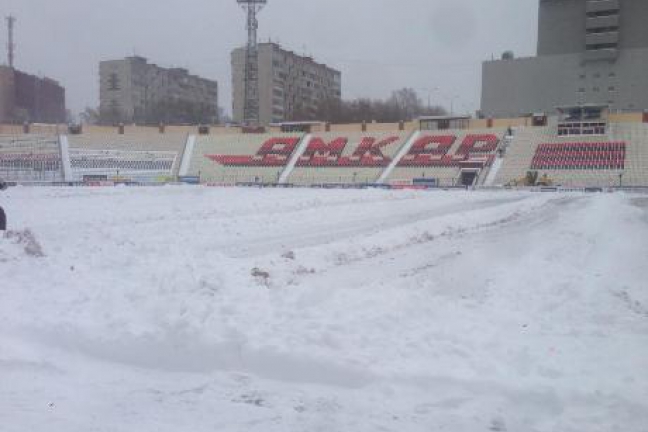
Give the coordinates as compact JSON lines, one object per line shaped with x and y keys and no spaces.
{"x":379,"y":45}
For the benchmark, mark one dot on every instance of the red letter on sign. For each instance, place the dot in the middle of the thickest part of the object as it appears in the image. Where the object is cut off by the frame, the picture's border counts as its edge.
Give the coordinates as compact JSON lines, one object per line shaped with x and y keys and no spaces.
{"x":428,"y":151}
{"x":478,"y":144}
{"x":274,"y":152}
{"x":369,"y":153}
{"x":278,"y":146}
{"x":319,"y":153}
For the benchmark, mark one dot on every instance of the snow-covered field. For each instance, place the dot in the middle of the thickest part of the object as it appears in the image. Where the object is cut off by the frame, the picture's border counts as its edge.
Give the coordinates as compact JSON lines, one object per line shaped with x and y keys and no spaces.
{"x":194,"y":309}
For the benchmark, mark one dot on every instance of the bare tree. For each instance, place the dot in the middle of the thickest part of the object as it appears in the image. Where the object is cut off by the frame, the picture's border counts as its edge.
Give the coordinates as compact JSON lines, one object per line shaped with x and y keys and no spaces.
{"x":90,"y":116}
{"x":407,"y":103}
{"x":402,"y":105}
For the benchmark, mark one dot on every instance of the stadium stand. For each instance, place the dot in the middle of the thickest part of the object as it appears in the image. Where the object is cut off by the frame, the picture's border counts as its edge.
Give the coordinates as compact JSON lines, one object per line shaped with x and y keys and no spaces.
{"x":444,"y":157}
{"x":332,"y":158}
{"x":143,"y":153}
{"x":30,"y":159}
{"x":144,"y":166}
{"x":582,"y":161}
{"x":244,"y":158}
{"x":617,"y":155}
{"x":635,"y":135}
{"x":579,"y":155}
{"x":135,"y":141}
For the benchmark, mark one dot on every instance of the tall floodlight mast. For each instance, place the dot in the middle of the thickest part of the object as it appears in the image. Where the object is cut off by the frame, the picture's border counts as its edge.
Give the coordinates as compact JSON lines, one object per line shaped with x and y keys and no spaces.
{"x":251,"y":80}
{"x":11,"y":46}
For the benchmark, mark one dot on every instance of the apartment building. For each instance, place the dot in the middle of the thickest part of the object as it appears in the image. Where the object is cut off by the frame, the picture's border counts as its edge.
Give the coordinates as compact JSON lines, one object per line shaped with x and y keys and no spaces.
{"x":134,"y":90}
{"x":291,"y":86}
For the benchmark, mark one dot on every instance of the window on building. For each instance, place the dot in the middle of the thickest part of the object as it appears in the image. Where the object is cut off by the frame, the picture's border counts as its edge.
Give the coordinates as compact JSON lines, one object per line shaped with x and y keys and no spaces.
{"x":599,"y":30}
{"x":113,"y":82}
{"x":601,"y":46}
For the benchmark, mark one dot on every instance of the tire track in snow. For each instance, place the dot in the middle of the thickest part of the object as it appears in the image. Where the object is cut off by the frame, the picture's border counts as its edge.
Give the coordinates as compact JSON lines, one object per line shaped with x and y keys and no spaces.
{"x":326,"y":233}
{"x":522,"y":222}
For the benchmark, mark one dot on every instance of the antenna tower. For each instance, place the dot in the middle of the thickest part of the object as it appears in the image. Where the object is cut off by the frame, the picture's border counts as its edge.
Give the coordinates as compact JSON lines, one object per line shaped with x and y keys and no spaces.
{"x":251,"y":80}
{"x":11,"y":46}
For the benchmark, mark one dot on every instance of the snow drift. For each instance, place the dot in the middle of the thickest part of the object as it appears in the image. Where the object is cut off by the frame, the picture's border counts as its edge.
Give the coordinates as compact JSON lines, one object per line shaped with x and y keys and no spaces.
{"x":169,"y":309}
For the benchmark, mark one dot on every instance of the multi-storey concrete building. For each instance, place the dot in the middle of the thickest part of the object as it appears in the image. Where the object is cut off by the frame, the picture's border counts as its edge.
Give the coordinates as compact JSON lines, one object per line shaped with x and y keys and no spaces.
{"x":7,"y":94}
{"x":589,"y":52}
{"x":290,"y":86}
{"x":28,"y":98}
{"x":133,"y":90}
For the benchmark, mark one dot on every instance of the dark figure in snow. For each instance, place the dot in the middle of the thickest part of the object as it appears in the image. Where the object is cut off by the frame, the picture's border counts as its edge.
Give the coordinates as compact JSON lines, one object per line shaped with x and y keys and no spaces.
{"x":3,"y":216}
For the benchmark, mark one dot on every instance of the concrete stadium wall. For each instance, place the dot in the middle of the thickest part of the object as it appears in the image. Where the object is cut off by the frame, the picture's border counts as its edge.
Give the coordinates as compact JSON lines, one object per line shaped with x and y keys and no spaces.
{"x":513,"y":122}
{"x":154,"y":130}
{"x":11,"y":130}
{"x":494,"y":123}
{"x":346,"y":127}
{"x":626,"y":118}
{"x":499,"y":123}
{"x":34,"y":129}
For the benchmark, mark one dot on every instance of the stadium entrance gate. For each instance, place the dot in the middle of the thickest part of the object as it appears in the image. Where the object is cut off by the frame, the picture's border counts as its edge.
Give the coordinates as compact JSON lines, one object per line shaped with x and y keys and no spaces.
{"x":468,"y":177}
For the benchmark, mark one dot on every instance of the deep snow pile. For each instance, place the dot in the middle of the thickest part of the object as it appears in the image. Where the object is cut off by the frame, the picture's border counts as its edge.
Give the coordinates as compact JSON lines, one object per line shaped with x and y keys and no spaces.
{"x":195,"y":309}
